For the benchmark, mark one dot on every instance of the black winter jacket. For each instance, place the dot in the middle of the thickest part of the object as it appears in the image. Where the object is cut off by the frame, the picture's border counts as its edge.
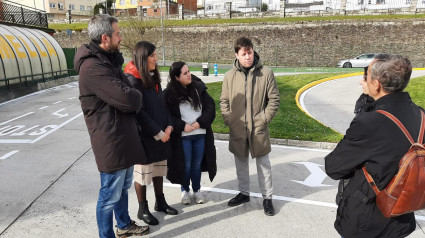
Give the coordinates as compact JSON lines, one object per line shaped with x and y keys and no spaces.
{"x":176,"y":163}
{"x":109,"y":104}
{"x":153,"y":118}
{"x":375,"y":141}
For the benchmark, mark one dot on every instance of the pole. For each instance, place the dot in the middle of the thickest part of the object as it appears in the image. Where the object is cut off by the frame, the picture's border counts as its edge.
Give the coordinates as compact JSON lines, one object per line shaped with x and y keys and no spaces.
{"x":162,"y":27}
{"x":106,"y":6}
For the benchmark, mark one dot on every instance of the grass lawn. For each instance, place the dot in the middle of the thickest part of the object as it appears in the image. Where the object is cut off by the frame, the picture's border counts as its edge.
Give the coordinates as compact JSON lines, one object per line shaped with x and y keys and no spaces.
{"x":290,"y":122}
{"x":416,"y":89}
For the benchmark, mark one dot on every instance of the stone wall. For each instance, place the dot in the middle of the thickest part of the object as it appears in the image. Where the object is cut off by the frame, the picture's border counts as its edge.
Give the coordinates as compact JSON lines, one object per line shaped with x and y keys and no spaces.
{"x":286,"y":44}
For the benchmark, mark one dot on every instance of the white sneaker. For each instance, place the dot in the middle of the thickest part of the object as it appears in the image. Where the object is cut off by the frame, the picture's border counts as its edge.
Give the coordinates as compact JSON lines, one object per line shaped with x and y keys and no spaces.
{"x":199,"y":197}
{"x":185,"y":198}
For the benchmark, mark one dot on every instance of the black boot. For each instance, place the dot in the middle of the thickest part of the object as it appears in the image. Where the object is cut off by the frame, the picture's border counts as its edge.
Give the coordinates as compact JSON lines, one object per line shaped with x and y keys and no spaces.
{"x":145,"y":215}
{"x":162,"y":206}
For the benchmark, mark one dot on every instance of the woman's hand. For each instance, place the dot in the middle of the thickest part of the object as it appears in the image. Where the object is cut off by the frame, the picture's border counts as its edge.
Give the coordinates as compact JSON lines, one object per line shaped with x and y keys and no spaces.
{"x":196,"y":125}
{"x":165,"y":138}
{"x":188,"y":128}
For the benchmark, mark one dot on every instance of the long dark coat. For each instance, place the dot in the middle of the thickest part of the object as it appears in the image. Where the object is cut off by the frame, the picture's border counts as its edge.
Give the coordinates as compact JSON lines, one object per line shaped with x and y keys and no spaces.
{"x":176,"y":162}
{"x":375,"y":141}
{"x":153,"y":118}
{"x":109,"y":104}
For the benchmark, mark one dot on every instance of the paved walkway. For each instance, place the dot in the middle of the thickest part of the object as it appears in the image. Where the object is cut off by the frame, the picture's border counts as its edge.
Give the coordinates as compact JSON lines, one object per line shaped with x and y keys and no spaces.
{"x":49,"y":180}
{"x":332,"y":102}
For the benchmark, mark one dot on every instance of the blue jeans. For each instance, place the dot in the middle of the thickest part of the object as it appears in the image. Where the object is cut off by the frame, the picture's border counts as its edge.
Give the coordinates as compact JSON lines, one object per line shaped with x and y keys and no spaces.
{"x":113,"y":197}
{"x":193,"y":149}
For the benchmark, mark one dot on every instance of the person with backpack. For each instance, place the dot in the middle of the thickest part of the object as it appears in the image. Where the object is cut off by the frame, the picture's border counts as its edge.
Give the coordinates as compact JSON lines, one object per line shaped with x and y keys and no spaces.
{"x":375,"y":142}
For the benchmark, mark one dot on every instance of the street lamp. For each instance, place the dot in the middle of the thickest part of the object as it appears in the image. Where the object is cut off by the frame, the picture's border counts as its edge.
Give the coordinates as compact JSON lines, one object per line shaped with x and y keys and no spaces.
{"x":162,"y":27}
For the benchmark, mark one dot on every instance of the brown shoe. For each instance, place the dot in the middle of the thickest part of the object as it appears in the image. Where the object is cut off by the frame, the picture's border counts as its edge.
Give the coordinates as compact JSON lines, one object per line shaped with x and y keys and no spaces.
{"x":132,"y":230}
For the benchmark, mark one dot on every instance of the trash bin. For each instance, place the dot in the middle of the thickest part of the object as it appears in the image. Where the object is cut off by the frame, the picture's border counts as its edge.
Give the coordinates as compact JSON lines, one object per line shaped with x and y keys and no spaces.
{"x":205,"y":69}
{"x":215,"y":69}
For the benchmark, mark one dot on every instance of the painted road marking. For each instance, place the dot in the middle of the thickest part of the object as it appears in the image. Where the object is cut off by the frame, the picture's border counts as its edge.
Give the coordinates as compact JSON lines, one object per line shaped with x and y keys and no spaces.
{"x":57,"y":113}
{"x":57,"y":102}
{"x":56,"y":128}
{"x":9,"y":154}
{"x":41,"y":108}
{"x":275,"y":197}
{"x":316,"y":177}
{"x":16,"y":118}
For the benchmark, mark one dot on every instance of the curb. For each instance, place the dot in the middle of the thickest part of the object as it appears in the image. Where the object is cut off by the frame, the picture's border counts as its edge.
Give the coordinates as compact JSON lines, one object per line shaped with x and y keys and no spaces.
{"x":289,"y":142}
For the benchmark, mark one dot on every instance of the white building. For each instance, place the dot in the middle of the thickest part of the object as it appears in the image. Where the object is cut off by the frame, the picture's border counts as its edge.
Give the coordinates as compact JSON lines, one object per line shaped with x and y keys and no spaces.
{"x":56,"y":9}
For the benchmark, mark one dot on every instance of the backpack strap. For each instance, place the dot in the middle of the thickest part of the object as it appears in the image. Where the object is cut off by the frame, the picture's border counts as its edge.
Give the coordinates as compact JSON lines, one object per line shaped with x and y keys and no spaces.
{"x":409,"y":137}
{"x":399,"y":124}
{"x":422,"y":131}
{"x":371,"y":181}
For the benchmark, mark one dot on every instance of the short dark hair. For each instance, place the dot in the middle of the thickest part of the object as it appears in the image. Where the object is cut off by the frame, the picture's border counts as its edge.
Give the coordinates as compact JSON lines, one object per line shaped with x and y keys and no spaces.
{"x":392,"y":71}
{"x":243,"y":42}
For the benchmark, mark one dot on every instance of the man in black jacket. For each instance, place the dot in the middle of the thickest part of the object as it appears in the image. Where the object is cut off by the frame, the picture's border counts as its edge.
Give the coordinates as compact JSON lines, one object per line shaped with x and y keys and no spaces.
{"x":374,"y":141}
{"x":109,"y":105}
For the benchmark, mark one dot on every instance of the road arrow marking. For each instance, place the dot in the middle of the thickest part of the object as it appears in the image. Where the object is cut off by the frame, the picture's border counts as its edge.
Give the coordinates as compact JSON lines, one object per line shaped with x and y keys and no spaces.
{"x":316,"y":177}
{"x":57,"y":113}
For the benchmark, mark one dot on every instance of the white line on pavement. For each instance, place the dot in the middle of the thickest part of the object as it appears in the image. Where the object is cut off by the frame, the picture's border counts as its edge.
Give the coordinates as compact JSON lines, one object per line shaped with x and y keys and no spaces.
{"x":14,"y":141}
{"x":56,"y":128}
{"x":16,"y":118}
{"x":275,"y":197}
{"x":9,"y":154}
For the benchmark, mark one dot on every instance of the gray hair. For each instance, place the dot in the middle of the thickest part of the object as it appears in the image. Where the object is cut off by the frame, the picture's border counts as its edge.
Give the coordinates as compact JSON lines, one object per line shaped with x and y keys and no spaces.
{"x":392,"y":71}
{"x":101,"y":24}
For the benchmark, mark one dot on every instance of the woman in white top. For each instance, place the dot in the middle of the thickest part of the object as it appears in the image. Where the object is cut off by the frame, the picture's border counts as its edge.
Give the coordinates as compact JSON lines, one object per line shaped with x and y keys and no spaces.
{"x":192,"y":110}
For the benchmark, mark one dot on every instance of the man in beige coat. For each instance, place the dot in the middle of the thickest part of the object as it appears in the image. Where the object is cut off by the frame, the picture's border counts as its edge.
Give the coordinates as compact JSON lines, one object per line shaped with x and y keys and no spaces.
{"x":249,"y":100}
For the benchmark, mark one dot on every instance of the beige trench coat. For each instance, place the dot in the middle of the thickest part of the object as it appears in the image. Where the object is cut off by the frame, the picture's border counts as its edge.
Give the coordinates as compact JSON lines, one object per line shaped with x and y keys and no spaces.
{"x":248,"y":104}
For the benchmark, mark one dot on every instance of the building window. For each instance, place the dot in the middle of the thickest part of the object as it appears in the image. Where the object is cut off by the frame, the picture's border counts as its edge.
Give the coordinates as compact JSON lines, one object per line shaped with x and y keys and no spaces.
{"x":89,"y":8}
{"x":380,"y":1}
{"x":82,"y":8}
{"x":71,"y":7}
{"x":52,"y":5}
{"x":122,"y":2}
{"x":60,"y":6}
{"x":133,"y":2}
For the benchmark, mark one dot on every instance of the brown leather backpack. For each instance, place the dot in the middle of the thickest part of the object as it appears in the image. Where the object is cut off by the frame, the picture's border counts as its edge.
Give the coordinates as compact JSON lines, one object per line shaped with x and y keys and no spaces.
{"x":406,"y":191}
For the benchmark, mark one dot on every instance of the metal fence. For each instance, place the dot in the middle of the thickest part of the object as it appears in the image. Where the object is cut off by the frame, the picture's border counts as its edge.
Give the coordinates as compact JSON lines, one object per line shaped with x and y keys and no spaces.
{"x":20,"y":14}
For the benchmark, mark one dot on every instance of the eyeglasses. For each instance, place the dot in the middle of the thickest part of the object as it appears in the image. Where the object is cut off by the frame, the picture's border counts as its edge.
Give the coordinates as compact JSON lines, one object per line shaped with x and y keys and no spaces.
{"x":365,"y":73}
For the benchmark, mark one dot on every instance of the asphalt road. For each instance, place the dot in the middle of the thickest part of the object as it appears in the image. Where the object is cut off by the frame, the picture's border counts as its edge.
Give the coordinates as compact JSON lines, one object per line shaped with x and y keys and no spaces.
{"x":49,"y":182}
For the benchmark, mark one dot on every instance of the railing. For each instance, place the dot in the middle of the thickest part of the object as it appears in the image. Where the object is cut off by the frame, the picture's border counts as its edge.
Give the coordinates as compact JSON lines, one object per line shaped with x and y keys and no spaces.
{"x":20,"y":14}
{"x":22,"y":81}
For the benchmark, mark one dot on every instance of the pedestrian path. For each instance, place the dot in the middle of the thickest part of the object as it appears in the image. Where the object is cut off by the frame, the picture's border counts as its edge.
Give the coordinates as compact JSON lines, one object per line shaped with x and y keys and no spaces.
{"x":332,"y":102}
